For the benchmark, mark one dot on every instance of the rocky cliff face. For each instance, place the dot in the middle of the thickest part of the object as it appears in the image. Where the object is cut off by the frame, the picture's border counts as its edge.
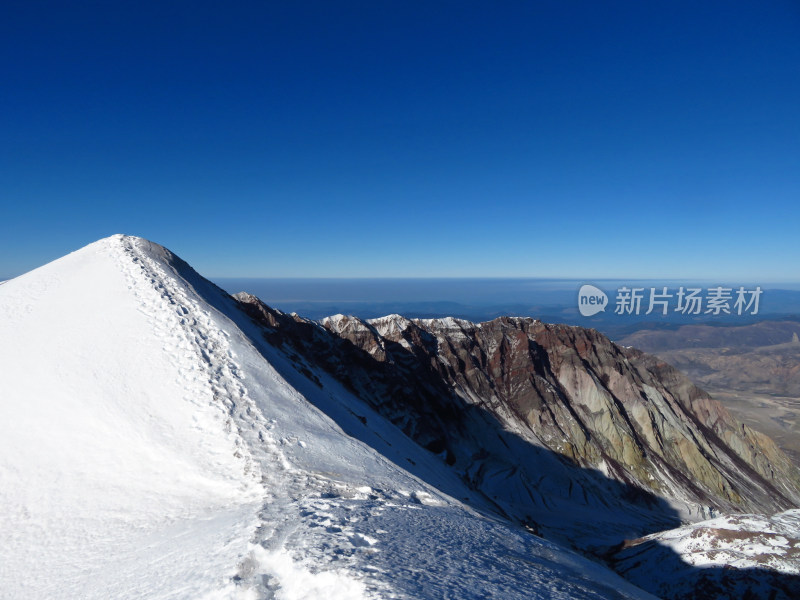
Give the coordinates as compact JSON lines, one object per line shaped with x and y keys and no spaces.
{"x":545,"y":419}
{"x":753,"y":369}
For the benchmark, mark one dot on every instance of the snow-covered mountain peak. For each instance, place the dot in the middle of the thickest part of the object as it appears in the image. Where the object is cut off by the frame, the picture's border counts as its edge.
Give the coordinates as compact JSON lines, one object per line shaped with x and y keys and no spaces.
{"x":390,"y":324}
{"x":113,"y":413}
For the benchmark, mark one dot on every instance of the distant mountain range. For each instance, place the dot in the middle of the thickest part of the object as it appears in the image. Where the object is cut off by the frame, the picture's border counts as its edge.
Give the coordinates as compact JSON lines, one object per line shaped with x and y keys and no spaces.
{"x":549,"y":300}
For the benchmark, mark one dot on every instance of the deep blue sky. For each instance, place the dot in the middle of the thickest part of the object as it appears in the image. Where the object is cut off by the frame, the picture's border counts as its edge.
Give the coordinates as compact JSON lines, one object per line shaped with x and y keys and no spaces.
{"x":550,"y":139}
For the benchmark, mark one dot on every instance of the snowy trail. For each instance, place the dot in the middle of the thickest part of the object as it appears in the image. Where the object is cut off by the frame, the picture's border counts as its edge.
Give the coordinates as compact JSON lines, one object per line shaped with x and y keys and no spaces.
{"x":148,"y":441}
{"x":289,"y":493}
{"x":197,"y":350}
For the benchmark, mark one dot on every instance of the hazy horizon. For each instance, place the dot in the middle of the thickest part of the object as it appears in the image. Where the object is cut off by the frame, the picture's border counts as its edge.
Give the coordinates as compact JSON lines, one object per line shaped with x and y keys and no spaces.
{"x":484,"y":299}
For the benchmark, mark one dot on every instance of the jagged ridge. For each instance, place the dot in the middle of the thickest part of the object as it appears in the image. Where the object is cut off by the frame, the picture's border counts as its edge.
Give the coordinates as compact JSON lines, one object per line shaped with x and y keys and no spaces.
{"x":598,"y":408}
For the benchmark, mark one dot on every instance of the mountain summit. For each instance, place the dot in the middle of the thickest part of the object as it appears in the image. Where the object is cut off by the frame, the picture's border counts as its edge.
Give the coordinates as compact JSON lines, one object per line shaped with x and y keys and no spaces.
{"x":162,"y":439}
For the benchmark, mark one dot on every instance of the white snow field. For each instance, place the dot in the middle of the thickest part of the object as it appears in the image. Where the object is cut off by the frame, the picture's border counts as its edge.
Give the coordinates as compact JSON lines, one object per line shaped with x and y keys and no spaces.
{"x":149,"y":450}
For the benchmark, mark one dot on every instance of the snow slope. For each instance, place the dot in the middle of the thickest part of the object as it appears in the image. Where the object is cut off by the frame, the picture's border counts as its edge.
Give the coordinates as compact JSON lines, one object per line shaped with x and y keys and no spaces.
{"x":148,"y":449}
{"x":119,"y":475}
{"x":733,"y":556}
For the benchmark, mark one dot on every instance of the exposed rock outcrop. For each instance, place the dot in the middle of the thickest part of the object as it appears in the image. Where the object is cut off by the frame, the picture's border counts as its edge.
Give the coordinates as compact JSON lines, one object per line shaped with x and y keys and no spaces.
{"x":541,"y":418}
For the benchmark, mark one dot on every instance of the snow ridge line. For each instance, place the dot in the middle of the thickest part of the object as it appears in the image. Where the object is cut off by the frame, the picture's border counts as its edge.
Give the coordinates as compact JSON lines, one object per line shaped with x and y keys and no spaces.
{"x":286,"y":493}
{"x":190,"y":340}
